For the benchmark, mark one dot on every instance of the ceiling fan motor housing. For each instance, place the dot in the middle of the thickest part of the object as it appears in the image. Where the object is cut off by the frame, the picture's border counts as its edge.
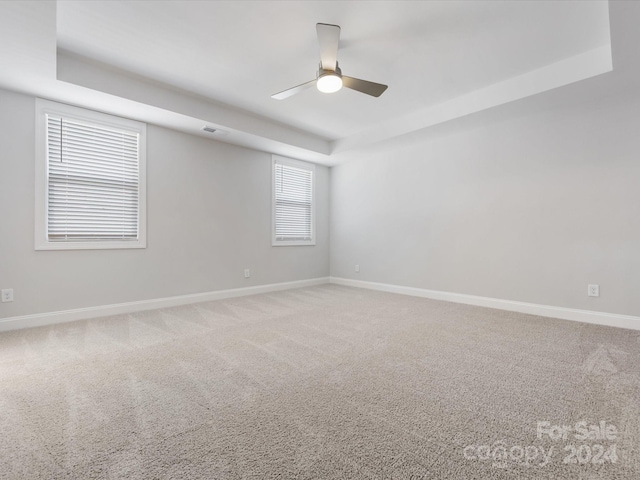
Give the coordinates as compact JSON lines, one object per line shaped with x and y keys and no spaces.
{"x":322,"y":72}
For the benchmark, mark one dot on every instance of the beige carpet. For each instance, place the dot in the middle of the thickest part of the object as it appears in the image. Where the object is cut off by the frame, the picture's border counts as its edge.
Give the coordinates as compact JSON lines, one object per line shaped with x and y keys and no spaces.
{"x":326,"y":382}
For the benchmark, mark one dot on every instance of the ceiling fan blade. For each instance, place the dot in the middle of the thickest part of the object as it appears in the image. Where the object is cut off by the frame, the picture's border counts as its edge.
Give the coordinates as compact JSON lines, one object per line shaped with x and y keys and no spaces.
{"x":292,"y":91}
{"x":328,"y":39}
{"x":364,"y":86}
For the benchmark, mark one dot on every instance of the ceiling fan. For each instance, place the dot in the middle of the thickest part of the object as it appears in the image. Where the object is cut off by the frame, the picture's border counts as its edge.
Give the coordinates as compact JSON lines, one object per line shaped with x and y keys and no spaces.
{"x":329,"y":78}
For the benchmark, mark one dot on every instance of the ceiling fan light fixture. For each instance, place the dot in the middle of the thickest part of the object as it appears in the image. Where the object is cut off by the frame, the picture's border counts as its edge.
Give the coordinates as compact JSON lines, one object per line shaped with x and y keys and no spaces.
{"x":329,"y":77}
{"x":329,"y":82}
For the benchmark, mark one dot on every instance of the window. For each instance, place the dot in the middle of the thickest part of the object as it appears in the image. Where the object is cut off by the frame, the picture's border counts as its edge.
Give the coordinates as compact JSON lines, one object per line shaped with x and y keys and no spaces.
{"x":293,"y":202}
{"x":90,"y":179}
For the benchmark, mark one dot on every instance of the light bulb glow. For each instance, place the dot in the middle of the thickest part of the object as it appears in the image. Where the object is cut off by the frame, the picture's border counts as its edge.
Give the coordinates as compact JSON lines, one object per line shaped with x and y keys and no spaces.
{"x":329,"y":83}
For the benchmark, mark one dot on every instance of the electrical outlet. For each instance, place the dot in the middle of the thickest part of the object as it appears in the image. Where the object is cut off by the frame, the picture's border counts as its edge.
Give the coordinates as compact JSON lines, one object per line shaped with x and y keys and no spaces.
{"x":593,"y":290}
{"x":247,"y":273}
{"x":7,"y":295}
{"x":357,"y":268}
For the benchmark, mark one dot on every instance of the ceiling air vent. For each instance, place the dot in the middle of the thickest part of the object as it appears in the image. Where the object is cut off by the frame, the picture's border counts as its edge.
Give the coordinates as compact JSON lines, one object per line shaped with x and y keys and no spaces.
{"x":209,"y":129}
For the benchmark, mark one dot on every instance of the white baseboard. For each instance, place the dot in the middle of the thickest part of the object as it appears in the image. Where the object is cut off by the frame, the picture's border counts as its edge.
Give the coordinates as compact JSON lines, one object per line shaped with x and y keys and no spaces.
{"x":588,"y":316}
{"x":40,"y":319}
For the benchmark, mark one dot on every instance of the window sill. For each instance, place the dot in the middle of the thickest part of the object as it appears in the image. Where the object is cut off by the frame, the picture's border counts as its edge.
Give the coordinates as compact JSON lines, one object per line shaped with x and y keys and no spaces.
{"x":293,"y":243}
{"x":90,"y":245}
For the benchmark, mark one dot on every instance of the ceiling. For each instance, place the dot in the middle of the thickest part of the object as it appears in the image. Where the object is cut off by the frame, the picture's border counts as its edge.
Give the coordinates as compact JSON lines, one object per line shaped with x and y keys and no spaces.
{"x":186,"y":63}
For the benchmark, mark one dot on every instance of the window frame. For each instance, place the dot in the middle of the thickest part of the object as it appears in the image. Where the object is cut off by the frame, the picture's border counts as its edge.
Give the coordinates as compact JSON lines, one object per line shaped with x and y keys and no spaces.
{"x":275,"y":159}
{"x":45,"y":107}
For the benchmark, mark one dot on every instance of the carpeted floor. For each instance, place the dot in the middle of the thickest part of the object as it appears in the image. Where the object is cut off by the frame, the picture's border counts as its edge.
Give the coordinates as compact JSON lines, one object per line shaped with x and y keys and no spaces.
{"x":326,"y":382}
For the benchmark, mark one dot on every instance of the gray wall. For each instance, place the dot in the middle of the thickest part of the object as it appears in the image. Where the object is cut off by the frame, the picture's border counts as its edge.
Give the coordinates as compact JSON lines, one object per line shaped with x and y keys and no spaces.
{"x":208,"y":218}
{"x":529,"y":208}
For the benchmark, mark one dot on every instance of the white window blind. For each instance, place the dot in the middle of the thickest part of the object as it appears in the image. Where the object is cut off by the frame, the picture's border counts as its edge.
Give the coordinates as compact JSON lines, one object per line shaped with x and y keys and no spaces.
{"x":293,"y":203}
{"x":93,"y":182}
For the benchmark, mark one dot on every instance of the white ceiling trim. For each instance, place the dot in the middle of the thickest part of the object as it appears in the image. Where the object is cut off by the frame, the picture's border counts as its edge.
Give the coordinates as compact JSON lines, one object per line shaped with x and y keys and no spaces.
{"x":262,"y":134}
{"x":559,"y":74}
{"x":241,"y":128}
